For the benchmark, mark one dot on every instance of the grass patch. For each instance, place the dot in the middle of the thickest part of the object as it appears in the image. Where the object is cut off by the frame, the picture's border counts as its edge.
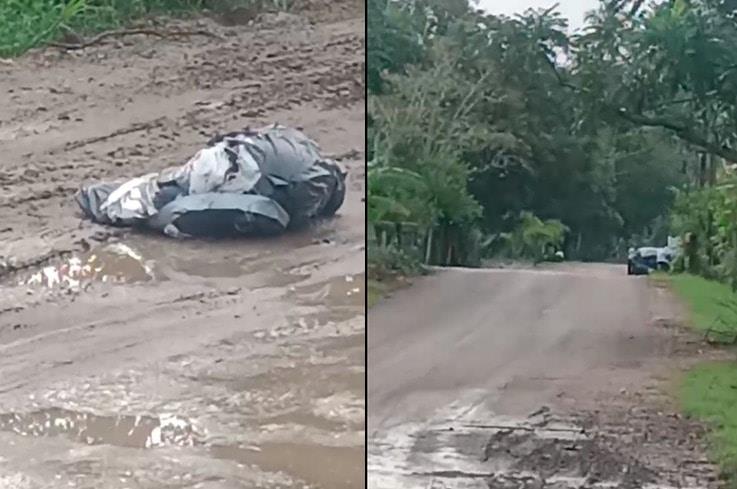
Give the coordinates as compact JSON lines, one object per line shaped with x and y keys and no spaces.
{"x":389,"y":269}
{"x":25,"y":24}
{"x":712,"y":305}
{"x":378,"y":289}
{"x":709,"y":393}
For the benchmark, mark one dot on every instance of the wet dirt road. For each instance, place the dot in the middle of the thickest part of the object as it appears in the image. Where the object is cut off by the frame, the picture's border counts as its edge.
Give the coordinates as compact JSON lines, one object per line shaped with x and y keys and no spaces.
{"x":134,"y":361}
{"x":527,"y":379}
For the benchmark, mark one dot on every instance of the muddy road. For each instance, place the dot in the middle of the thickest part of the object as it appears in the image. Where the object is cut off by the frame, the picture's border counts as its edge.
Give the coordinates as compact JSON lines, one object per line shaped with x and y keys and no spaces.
{"x":134,"y":361}
{"x":528,"y":379}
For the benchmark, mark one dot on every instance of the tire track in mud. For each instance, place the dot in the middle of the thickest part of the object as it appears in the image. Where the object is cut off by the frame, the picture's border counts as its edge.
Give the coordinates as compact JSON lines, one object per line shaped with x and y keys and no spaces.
{"x":277,"y":71}
{"x":214,"y":365}
{"x":339,"y":79}
{"x":291,"y":389}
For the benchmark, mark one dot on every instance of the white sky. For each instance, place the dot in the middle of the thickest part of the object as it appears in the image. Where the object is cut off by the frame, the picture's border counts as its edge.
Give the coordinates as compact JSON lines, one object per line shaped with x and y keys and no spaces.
{"x":573,"y":10}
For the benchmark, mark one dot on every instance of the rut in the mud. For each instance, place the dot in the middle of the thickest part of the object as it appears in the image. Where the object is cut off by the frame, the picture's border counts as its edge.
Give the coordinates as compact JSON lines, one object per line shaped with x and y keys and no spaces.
{"x":107,"y":113}
{"x":128,"y":360}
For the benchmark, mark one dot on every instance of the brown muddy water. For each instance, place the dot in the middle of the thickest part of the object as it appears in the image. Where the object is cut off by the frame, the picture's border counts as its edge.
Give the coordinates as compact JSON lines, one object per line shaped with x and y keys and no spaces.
{"x":232,"y":364}
{"x":252,"y":372}
{"x":135,"y":361}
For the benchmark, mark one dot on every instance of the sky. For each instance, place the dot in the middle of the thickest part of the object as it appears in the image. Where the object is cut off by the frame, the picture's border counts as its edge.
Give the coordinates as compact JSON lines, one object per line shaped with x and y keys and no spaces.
{"x":573,"y":10}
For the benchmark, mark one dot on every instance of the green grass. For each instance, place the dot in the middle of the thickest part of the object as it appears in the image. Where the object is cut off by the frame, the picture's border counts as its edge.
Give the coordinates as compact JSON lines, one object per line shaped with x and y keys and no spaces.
{"x":705,"y":301}
{"x":25,"y":24}
{"x":709,"y":393}
{"x":376,"y":290}
{"x":380,"y":289}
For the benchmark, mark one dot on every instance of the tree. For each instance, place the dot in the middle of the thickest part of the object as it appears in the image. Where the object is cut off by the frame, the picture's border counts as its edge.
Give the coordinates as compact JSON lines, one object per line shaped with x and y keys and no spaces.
{"x":672,"y":67}
{"x":505,"y":117}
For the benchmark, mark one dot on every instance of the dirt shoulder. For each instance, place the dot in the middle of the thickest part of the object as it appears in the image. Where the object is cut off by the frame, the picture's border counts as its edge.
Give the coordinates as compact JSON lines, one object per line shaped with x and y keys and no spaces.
{"x":559,"y":377}
{"x":186,"y":364}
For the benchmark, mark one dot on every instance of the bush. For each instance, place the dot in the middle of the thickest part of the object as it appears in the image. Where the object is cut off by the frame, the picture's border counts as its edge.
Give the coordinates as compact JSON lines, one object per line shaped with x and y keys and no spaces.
{"x":531,"y":238}
{"x":25,"y":24}
{"x":707,"y":220}
{"x":385,"y":261}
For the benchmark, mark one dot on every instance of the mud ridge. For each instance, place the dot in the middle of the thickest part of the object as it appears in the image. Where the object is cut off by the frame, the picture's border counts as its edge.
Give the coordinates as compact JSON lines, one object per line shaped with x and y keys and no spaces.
{"x":133,"y":360}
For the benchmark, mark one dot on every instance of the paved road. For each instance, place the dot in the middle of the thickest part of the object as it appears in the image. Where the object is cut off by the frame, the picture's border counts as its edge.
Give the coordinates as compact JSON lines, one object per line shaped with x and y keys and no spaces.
{"x":464,"y":353}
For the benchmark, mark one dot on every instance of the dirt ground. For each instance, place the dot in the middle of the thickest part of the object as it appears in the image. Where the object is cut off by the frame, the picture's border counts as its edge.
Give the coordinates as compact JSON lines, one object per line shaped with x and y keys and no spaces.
{"x":558,"y":377}
{"x":189,"y":364}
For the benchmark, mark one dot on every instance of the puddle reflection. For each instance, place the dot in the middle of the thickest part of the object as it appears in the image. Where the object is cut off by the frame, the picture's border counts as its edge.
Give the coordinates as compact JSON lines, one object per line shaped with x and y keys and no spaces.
{"x":113,"y":263}
{"x":321,"y":466}
{"x":90,"y":429}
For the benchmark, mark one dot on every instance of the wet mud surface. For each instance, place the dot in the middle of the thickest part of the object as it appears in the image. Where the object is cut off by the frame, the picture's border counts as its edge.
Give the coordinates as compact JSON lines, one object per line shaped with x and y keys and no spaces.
{"x":550,"y":378}
{"x":130,"y":360}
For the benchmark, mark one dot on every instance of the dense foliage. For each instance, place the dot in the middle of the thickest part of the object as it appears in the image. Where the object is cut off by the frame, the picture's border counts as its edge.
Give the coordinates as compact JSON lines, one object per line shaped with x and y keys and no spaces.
{"x":25,"y":24}
{"x":486,"y":129}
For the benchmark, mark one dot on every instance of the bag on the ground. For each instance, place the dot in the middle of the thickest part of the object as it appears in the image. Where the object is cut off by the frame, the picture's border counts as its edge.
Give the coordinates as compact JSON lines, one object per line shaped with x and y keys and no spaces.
{"x":244,"y":183}
{"x":293,"y":171}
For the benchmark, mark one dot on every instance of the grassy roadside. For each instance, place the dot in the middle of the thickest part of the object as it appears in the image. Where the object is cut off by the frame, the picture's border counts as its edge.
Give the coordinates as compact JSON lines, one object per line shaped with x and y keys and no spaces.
{"x":389,"y":269}
{"x":379,"y":289}
{"x":376,"y":290}
{"x":708,"y":392}
{"x":25,"y":24}
{"x":706,"y":300}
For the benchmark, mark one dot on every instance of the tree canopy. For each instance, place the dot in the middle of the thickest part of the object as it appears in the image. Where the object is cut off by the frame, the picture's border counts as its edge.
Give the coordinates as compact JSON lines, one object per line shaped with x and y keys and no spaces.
{"x":502,"y":118}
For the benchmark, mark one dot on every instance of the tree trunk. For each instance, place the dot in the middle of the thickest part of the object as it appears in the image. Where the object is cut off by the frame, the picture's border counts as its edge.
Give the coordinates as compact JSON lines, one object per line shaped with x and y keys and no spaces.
{"x":691,"y":252}
{"x":428,"y":247}
{"x":733,"y":274}
{"x":713,"y":164}
{"x":702,"y":169}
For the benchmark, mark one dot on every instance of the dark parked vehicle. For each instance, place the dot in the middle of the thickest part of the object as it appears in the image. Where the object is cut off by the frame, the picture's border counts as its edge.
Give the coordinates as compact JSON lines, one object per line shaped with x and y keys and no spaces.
{"x":639,"y":264}
{"x":644,"y":260}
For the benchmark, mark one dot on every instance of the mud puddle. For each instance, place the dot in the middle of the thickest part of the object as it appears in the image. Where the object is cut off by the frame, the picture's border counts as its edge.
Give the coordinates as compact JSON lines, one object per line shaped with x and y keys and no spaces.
{"x":318,"y":465}
{"x":345,"y":291}
{"x":115,"y":263}
{"x":340,"y":322}
{"x":571,"y":451}
{"x":171,"y":331}
{"x":145,"y":259}
{"x":320,"y":380}
{"x":334,"y":307}
{"x":91,"y":429}
{"x":233,"y":258}
{"x":290,"y":405}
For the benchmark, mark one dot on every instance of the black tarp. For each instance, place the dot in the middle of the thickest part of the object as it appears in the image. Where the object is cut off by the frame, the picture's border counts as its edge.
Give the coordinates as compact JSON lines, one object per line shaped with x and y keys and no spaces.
{"x":294,"y":184}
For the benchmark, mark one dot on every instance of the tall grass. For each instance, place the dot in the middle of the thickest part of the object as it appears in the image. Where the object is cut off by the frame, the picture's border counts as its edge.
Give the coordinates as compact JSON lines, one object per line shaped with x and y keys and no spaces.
{"x":25,"y":24}
{"x":708,"y":393}
{"x":28,"y":23}
{"x":710,"y":303}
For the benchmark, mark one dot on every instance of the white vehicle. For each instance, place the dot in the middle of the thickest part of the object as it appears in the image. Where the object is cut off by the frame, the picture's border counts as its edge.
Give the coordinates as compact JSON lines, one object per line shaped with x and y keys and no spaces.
{"x":642,"y":261}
